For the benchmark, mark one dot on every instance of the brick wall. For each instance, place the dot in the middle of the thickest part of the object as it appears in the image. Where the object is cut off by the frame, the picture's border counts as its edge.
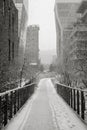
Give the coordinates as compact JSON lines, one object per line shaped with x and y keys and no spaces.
{"x":8,"y":35}
{"x":32,"y":44}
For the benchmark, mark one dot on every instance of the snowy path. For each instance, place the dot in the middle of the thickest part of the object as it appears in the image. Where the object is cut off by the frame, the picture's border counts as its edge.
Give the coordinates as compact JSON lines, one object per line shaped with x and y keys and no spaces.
{"x":46,"y":111}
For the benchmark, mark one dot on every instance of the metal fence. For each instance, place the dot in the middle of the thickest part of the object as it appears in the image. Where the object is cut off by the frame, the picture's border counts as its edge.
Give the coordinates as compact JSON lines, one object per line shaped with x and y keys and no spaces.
{"x":76,"y":98}
{"x":11,"y":101}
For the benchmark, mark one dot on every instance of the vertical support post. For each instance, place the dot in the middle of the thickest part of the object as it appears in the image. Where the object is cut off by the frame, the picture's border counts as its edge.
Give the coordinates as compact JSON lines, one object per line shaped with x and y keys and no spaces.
{"x":14,"y":102}
{"x":6,"y":109}
{"x":11,"y":104}
{"x":82,"y":105}
{"x":0,"y":114}
{"x":18,"y":101}
{"x":20,"y":97}
{"x":78,"y":101}
{"x":74,"y":100}
{"x":0,"y":104}
{"x":71,"y":98}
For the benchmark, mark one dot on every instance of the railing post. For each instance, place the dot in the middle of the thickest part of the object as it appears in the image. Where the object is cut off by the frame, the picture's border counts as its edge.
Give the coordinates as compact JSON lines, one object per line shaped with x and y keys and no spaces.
{"x":0,"y":114}
{"x":20,"y":97}
{"x":78,"y":101}
{"x":74,"y":99}
{"x":11,"y":104}
{"x":82,"y":105}
{"x":6,"y":109}
{"x":14,"y":102}
{"x":71,"y":98}
{"x":18,"y":101}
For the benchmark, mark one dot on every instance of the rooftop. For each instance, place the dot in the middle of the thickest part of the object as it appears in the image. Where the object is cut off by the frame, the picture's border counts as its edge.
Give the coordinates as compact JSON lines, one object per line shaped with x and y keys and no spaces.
{"x":33,"y":27}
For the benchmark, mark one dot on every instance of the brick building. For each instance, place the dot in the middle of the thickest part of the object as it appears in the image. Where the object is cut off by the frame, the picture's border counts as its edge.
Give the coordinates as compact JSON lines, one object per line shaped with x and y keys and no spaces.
{"x":78,"y":46}
{"x":71,"y":23}
{"x":32,"y":44}
{"x":22,"y":6}
{"x":8,"y":37}
{"x":32,"y":47}
{"x":65,"y":15}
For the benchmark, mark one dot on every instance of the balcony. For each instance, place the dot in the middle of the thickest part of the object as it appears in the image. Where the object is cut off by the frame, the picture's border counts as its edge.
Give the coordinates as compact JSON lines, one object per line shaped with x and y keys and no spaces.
{"x":84,"y":14}
{"x":77,"y":53}
{"x":76,"y":39}
{"x":79,"y":28}
{"x":79,"y":49}
{"x":75,"y":58}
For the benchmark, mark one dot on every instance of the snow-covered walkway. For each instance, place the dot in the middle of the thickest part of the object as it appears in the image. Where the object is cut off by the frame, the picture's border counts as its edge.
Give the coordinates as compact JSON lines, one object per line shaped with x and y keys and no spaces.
{"x":46,"y":111}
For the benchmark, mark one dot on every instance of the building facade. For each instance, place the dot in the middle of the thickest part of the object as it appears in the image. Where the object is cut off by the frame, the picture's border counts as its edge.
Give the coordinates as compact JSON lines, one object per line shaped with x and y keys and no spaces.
{"x":72,"y":41}
{"x":78,"y":45}
{"x":22,"y":6}
{"x":32,"y":51}
{"x":8,"y":37}
{"x":32,"y":44}
{"x":64,"y":17}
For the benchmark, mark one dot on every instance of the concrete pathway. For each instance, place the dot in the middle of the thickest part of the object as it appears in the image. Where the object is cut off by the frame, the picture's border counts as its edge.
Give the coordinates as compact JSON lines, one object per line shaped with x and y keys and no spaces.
{"x":46,"y":111}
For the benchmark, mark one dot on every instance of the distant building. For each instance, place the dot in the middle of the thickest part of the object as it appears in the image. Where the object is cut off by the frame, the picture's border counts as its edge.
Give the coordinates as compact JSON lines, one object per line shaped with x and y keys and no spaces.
{"x":22,"y":6}
{"x":65,"y":15}
{"x":8,"y":30}
{"x":54,"y":60}
{"x":78,"y":44}
{"x":8,"y":35}
{"x":19,"y":8}
{"x":32,"y":44}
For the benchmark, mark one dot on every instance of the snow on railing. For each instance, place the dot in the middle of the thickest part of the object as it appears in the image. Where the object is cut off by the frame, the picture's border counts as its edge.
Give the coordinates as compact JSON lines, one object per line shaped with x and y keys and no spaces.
{"x":75,"y":97}
{"x":11,"y":101}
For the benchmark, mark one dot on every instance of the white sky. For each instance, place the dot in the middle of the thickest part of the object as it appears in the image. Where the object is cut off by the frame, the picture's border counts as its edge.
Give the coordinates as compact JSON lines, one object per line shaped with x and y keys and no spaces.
{"x":41,"y":12}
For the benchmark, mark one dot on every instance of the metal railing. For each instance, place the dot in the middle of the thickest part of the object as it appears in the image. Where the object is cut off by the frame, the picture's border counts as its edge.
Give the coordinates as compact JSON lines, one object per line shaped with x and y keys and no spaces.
{"x":75,"y":97}
{"x":11,"y":101}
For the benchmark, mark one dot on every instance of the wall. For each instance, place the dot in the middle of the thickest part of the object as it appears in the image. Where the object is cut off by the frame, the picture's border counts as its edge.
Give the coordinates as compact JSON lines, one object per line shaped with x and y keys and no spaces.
{"x":8,"y":37}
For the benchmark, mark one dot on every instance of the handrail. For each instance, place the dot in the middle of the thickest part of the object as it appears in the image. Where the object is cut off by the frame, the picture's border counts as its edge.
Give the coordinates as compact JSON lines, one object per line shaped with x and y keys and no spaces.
{"x":9,"y":91}
{"x":74,"y":88}
{"x":11,"y":101}
{"x":75,"y":97}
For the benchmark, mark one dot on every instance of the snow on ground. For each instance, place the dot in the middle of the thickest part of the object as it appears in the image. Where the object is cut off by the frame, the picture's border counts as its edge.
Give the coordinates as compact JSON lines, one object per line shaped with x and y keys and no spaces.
{"x":65,"y":117}
{"x":21,"y":116}
{"x":46,"y":110}
{"x":40,"y":117}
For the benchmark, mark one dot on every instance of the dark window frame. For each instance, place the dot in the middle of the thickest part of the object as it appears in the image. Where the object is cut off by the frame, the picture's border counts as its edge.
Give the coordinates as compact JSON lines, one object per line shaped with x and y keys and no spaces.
{"x":3,"y":7}
{"x":9,"y":46}
{"x":13,"y":50}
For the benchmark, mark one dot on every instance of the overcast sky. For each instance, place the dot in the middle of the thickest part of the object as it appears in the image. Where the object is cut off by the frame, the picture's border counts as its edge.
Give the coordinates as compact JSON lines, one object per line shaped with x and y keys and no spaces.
{"x":41,"y":12}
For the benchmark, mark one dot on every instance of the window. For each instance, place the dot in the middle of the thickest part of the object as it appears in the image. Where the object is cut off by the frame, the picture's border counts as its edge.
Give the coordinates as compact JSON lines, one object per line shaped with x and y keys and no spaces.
{"x":3,"y":7}
{"x":9,"y":51}
{"x":13,"y":50}
{"x":13,"y":35}
{"x":13,"y":24}
{"x":9,"y":17}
